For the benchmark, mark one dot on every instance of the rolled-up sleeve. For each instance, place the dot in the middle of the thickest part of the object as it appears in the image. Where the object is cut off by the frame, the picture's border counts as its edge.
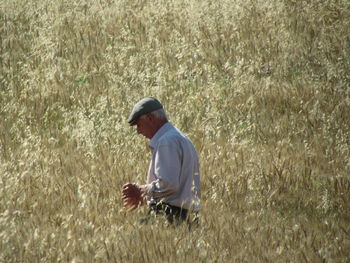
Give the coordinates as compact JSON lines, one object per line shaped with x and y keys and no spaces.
{"x":167,"y":170}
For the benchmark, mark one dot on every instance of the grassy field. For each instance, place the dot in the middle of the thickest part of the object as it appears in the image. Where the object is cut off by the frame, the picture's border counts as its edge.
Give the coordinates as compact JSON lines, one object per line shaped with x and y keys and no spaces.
{"x":262,"y":88}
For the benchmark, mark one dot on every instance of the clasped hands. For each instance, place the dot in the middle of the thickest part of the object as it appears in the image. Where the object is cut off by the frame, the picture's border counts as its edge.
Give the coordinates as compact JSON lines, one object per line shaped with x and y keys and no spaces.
{"x":132,"y":196}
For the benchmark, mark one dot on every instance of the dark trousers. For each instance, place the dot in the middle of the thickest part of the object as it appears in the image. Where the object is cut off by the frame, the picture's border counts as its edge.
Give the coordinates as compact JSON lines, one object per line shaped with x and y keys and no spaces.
{"x":173,"y":214}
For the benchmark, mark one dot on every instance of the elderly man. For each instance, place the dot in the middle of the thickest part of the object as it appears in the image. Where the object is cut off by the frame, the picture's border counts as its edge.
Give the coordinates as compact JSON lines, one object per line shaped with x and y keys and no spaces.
{"x":173,"y":184}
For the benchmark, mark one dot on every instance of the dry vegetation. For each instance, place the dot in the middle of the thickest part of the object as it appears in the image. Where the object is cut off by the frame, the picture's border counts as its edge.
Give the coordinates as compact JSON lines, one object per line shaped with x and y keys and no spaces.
{"x":261,"y":87}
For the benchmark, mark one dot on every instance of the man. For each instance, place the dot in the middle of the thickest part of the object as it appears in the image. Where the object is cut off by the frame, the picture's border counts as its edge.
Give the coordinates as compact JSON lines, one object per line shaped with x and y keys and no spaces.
{"x":173,"y":184}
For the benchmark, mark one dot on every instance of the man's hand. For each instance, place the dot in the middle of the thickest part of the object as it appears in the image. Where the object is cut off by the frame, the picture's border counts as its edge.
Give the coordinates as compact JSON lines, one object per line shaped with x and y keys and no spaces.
{"x":132,"y":196}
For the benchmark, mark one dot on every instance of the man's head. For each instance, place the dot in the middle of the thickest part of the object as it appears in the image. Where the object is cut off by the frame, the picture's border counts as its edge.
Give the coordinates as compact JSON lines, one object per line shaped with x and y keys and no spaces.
{"x":148,"y":115}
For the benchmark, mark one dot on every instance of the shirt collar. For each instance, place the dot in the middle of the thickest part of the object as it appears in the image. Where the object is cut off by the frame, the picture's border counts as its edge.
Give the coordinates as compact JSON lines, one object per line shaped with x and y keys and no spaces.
{"x":166,"y":127}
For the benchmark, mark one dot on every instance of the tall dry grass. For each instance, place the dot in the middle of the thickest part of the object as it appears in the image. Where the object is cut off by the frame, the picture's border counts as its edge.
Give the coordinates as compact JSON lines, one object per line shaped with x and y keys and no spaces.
{"x":261,"y":87}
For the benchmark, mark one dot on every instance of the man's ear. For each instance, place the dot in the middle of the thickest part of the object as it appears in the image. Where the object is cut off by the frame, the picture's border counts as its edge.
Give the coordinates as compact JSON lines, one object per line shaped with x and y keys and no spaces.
{"x":149,"y":116}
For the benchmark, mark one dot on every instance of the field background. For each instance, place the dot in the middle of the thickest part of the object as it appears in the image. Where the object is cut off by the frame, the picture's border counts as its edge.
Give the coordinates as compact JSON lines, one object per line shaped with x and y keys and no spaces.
{"x":262,"y":88}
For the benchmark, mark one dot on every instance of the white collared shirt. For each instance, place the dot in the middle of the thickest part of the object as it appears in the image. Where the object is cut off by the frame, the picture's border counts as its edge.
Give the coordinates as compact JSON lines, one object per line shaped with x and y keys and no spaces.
{"x":173,"y":174}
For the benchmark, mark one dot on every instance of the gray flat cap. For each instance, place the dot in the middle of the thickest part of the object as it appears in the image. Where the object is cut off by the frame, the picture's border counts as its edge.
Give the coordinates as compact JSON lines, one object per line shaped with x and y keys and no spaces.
{"x":144,"y":106}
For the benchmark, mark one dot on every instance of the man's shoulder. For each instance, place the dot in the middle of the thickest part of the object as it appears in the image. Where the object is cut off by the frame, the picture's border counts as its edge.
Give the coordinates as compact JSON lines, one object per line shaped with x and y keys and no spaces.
{"x":172,"y":136}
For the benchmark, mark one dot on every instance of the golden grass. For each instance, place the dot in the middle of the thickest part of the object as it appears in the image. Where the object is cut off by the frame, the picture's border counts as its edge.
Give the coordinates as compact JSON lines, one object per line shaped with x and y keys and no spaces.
{"x":261,"y":87}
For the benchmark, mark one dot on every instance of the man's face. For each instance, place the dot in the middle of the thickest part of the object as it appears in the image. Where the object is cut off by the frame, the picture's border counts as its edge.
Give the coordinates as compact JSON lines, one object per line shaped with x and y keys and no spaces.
{"x":144,"y":126}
